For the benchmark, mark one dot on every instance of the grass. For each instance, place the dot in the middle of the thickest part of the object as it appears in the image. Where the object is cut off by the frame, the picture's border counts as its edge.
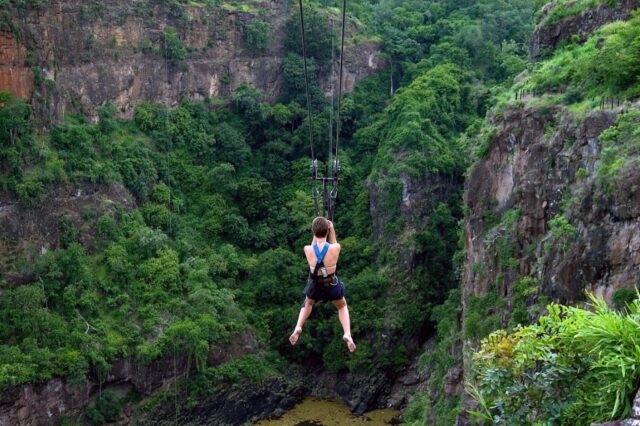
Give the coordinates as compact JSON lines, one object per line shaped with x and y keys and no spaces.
{"x":574,"y":366}
{"x":240,"y":7}
{"x":621,"y":148}
{"x":566,"y":8}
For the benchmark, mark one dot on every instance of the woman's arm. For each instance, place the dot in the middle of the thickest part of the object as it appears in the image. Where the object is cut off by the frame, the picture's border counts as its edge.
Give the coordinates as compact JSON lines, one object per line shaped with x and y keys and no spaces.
{"x":332,"y":234}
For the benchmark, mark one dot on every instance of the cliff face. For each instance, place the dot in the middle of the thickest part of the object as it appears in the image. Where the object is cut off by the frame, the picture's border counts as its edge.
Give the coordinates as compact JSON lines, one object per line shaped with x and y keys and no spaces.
{"x":542,"y":226}
{"x":546,"y":218}
{"x":31,"y":232}
{"x":48,"y":402}
{"x":543,"y":165}
{"x":73,"y":57}
{"x":14,"y":75}
{"x":547,"y":37}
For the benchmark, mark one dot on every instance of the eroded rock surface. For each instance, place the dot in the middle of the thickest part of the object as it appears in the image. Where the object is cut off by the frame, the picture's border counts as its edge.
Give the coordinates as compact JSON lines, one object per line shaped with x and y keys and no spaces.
{"x":87,"y":54}
{"x":547,"y":37}
{"x":544,"y":164}
{"x":46,"y":403}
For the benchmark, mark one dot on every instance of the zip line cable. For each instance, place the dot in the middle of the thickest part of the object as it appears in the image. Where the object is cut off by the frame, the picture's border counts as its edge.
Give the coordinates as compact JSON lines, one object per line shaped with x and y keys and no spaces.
{"x":329,"y":194}
{"x":332,"y":88}
{"x":336,"y":162}
{"x":165,"y":101}
{"x":314,"y":163}
{"x":344,"y":15}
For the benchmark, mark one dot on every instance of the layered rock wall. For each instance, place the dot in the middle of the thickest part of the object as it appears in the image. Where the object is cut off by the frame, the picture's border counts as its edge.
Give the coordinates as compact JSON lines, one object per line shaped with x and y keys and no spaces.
{"x":73,"y":56}
{"x":547,"y":37}
{"x":544,"y":164}
{"x":47,"y":403}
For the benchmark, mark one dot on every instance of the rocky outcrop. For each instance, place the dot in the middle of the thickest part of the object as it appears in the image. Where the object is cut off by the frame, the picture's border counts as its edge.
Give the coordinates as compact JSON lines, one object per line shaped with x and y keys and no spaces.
{"x":547,"y":37}
{"x":32,"y":231}
{"x":237,"y":405}
{"x":635,"y":416}
{"x":14,"y":75}
{"x":46,"y":403}
{"x":85,"y":55}
{"x":413,"y":379}
{"x":544,"y":164}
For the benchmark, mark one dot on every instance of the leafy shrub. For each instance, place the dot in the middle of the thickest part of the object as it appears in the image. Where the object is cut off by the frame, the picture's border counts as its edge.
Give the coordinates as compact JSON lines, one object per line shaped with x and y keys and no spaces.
{"x":105,"y":408}
{"x":604,"y":66}
{"x":621,"y":145}
{"x":575,"y":366}
{"x":15,"y":117}
{"x":107,"y":118}
{"x":173,"y":49}
{"x":562,"y":231}
{"x":624,"y":297}
{"x":30,"y":191}
{"x":257,"y":36}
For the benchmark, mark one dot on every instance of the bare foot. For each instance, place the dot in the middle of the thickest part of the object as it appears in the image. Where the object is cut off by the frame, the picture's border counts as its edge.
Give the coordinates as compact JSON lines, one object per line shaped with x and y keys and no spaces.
{"x":349,"y":341}
{"x":294,"y":337}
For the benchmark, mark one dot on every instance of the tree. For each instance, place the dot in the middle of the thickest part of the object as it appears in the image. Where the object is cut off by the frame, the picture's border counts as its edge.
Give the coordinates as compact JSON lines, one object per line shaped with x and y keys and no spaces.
{"x":15,"y":117}
{"x":317,"y":36}
{"x":173,"y":49}
{"x":256,"y":36}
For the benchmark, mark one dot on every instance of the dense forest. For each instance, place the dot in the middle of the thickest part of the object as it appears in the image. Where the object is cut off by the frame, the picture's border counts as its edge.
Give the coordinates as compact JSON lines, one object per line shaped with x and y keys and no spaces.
{"x":207,"y":207}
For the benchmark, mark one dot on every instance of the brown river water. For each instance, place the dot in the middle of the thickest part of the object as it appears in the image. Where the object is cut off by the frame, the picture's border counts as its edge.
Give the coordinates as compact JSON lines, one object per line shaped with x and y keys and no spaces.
{"x":320,"y":412}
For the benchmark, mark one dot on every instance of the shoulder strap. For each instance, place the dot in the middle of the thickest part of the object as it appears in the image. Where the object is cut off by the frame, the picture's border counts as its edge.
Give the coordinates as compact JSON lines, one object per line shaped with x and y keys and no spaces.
{"x":320,"y":254}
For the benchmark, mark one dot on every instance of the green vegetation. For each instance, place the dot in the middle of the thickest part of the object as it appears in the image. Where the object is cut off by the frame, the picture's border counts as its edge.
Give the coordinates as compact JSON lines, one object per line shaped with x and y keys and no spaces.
{"x":105,"y":409}
{"x":441,"y":359}
{"x":606,"y":65}
{"x":172,"y":48}
{"x":574,"y":366}
{"x":562,"y":9}
{"x":563,"y":232}
{"x":210,"y":244}
{"x":621,"y":148}
{"x":256,"y":36}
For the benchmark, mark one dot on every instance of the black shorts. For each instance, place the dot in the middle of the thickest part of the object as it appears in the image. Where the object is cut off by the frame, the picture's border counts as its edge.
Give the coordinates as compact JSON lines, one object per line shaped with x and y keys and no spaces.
{"x":324,"y":292}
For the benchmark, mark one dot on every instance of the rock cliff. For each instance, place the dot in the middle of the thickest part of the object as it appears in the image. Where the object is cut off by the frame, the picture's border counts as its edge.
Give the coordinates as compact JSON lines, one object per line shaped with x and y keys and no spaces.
{"x":547,"y":37}
{"x":543,"y":164}
{"x":541,"y":225}
{"x":546,"y":221}
{"x":47,"y":403}
{"x":32,"y":231}
{"x":73,"y":56}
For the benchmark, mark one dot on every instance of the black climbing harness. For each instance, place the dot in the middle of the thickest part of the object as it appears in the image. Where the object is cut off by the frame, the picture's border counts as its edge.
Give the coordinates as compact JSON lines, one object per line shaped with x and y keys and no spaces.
{"x":320,"y":274}
{"x":320,"y":280}
{"x":324,"y":188}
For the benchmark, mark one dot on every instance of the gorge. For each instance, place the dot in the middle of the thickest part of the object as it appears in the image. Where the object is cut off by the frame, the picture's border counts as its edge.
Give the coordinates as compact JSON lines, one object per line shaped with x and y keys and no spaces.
{"x":154,"y":202}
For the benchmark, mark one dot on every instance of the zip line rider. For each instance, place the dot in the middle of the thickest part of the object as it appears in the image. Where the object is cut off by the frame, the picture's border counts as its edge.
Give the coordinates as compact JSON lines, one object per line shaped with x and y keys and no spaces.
{"x":323,"y":284}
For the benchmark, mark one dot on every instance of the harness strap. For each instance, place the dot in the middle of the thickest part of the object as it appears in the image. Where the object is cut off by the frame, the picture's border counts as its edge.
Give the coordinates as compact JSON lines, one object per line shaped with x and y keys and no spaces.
{"x":320,"y":254}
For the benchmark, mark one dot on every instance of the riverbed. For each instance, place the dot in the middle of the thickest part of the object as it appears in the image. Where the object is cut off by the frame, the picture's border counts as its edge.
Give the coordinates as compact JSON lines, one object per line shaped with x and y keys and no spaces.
{"x":320,"y":412}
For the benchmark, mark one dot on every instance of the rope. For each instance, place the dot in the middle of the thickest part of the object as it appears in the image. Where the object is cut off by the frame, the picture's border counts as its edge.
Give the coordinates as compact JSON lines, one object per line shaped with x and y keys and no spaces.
{"x":344,"y":16}
{"x":165,"y":101}
{"x":332,"y":87}
{"x":306,"y":79}
{"x":329,"y":195}
{"x":335,"y":165}
{"x":314,"y":168}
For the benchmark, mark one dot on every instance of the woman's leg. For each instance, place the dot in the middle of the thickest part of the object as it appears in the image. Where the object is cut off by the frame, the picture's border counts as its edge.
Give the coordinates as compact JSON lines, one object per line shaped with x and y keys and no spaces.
{"x":343,"y":316}
{"x":302,"y":317}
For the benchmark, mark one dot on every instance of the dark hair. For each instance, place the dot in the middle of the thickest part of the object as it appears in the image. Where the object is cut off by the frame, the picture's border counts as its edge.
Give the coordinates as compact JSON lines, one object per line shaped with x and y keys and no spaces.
{"x":320,"y":227}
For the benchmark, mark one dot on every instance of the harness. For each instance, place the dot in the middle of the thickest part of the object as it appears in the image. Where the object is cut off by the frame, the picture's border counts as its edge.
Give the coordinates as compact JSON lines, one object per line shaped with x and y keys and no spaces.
{"x":319,"y":274}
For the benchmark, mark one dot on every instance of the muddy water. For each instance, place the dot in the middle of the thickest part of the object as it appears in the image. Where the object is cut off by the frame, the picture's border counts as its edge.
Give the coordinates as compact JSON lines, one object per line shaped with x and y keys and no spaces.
{"x":320,"y":412}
